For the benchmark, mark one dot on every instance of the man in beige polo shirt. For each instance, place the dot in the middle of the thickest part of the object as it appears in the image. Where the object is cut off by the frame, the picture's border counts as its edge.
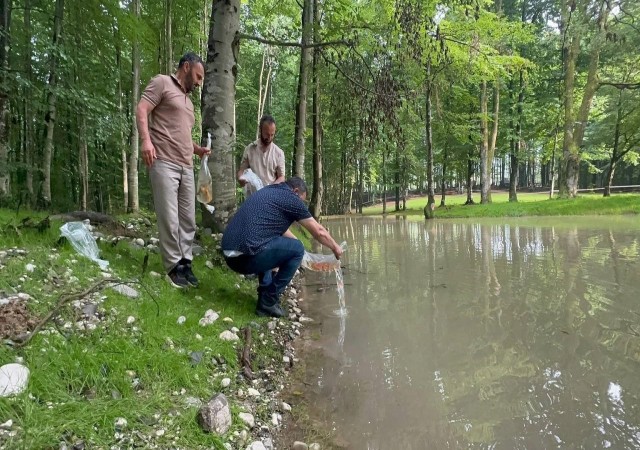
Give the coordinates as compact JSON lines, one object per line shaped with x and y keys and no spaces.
{"x":264,"y":157}
{"x":167,"y":150}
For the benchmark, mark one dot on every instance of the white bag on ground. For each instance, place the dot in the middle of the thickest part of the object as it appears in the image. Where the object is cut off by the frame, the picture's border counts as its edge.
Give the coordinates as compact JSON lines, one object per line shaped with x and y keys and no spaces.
{"x":84,"y":243}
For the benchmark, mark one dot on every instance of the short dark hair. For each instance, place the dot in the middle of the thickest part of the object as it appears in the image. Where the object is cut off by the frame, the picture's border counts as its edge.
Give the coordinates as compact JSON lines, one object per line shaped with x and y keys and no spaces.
{"x":297,"y":183}
{"x":190,"y":58}
{"x":266,"y":119}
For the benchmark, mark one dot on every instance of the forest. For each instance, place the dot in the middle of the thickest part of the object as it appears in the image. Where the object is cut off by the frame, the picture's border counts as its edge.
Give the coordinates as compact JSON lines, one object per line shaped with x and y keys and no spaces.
{"x":372,"y":100}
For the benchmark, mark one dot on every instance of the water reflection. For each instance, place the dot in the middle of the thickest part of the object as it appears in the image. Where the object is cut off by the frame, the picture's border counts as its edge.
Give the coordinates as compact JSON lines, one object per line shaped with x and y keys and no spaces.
{"x":490,"y":335}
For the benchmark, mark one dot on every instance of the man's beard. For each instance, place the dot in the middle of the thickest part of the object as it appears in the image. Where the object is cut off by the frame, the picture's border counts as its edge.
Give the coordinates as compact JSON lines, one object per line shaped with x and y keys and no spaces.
{"x":265,"y":141}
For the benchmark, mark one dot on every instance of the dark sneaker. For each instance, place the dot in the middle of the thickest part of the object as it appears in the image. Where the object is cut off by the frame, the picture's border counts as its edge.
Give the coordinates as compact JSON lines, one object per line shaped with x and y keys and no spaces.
{"x":176,"y":277}
{"x":270,"y":311}
{"x":190,"y":277}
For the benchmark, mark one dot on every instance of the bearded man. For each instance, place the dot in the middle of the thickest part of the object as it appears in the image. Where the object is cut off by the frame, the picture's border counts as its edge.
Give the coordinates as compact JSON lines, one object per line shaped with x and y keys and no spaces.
{"x":263,"y":156}
{"x":165,"y":118}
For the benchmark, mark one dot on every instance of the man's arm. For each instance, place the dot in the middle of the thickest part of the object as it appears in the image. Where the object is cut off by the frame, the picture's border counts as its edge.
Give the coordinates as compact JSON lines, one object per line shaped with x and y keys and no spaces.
{"x":143,"y":110}
{"x":244,"y":165}
{"x":321,"y":235}
{"x":280,"y":169}
{"x":200,"y":151}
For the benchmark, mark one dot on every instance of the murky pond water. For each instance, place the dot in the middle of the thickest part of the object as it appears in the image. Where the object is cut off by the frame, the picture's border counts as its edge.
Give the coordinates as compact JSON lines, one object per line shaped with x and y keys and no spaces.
{"x":493,"y":334}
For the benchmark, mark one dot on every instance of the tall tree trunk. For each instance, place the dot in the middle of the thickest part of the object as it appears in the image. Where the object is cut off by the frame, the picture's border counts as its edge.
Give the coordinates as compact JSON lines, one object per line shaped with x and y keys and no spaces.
{"x":5,"y":42}
{"x":134,"y":202}
{"x":50,"y":118}
{"x":574,"y":126}
{"x":384,"y":178}
{"x":28,"y":112}
{"x":301,"y":100}
{"x":615,"y":154}
{"x":83,"y":160}
{"x":493,"y":137}
{"x":469,"y":178}
{"x":429,"y":209}
{"x":396,"y":180}
{"x":316,"y":196}
{"x":445,"y":159}
{"x":262,"y":94}
{"x":218,"y":107}
{"x":516,"y":144}
{"x":122,"y":142}
{"x":485,"y":163}
{"x":168,"y":40}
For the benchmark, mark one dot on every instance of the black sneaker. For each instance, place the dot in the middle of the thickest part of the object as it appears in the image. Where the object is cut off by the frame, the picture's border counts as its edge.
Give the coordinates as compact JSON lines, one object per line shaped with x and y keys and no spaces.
{"x":270,"y":311}
{"x":176,"y":277}
{"x":188,"y":274}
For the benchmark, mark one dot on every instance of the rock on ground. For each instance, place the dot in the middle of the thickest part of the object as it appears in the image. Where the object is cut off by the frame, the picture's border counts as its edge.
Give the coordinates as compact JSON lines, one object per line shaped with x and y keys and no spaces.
{"x":215,"y":416}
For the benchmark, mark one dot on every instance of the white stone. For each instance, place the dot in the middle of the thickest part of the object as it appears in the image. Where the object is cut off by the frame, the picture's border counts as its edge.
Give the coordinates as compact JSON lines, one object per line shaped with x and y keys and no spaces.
{"x":125,"y":290}
{"x":314,"y":446}
{"x":198,"y":337}
{"x":228,"y":336}
{"x":234,"y":330}
{"x":13,"y":379}
{"x":30,"y":267}
{"x":160,"y":432}
{"x":153,"y":274}
{"x":297,"y":445}
{"x":275,"y":419}
{"x":7,"y":425}
{"x":286,"y":406}
{"x":209,"y":264}
{"x":227,"y":319}
{"x":215,"y":416}
{"x":253,"y":392}
{"x":181,"y":320}
{"x":286,"y":359}
{"x":257,"y":445}
{"x":120,"y":424}
{"x":248,"y":419}
{"x":225,"y":382}
{"x":139,"y":242}
{"x":130,"y":320}
{"x":305,"y":320}
{"x":211,"y":314}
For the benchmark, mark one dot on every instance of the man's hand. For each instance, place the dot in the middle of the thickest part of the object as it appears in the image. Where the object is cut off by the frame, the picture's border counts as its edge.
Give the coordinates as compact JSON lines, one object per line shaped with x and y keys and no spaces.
{"x":201,"y":151}
{"x":337,"y":251}
{"x":148,"y":152}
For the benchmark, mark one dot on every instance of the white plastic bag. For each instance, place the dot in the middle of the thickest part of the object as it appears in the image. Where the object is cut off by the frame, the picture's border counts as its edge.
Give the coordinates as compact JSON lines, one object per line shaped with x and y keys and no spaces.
{"x":84,"y":243}
{"x":321,"y":263}
{"x":205,"y":183}
{"x":253,"y":182}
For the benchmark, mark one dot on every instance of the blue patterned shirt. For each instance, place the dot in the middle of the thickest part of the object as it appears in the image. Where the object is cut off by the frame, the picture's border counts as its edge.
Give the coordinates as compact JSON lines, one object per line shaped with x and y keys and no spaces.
{"x":264,"y":216}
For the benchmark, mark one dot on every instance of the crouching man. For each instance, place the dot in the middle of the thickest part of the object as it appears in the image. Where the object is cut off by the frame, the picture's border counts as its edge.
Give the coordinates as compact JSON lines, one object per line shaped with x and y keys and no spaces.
{"x":257,"y":240}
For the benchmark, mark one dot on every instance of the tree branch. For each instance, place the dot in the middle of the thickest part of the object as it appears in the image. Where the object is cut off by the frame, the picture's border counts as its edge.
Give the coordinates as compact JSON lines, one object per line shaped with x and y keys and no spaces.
{"x":292,"y":44}
{"x":620,"y":85}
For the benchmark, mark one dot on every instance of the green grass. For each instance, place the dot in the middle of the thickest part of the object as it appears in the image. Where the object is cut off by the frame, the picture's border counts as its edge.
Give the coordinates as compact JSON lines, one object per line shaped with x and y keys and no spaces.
{"x":529,"y":204}
{"x":81,"y":381}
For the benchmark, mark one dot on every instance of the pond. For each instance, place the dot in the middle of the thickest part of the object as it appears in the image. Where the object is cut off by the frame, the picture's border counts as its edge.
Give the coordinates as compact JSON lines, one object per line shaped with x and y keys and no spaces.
{"x":487,"y":334}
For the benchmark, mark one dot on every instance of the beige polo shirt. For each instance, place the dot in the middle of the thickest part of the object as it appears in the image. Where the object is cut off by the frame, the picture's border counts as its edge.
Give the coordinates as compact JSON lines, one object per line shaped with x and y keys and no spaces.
{"x":171,"y":120}
{"x":267,"y":163}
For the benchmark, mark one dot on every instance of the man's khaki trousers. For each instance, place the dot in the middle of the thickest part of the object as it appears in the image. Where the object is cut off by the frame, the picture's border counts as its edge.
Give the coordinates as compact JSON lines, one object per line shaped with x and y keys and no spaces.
{"x":174,"y":195}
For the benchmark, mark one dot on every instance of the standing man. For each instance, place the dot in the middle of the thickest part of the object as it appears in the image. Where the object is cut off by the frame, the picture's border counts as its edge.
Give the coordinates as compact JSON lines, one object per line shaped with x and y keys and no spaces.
{"x":257,"y":240}
{"x":264,"y":157}
{"x":167,"y":150}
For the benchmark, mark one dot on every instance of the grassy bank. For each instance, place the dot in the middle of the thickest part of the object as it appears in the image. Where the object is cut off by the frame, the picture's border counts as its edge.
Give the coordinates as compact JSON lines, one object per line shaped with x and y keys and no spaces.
{"x":529,"y":204}
{"x":132,"y":359}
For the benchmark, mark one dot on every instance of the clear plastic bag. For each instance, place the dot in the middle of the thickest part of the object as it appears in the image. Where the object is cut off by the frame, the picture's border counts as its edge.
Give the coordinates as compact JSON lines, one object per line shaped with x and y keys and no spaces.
{"x":82,"y":240}
{"x":205,"y":182}
{"x":321,"y":263}
{"x":253,"y":182}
